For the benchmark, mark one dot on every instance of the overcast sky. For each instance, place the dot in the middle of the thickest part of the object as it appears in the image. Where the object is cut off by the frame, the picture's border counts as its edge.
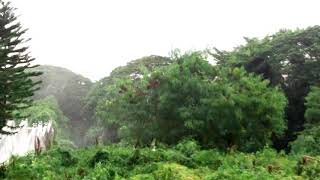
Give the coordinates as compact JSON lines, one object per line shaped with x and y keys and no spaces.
{"x":92,"y":37}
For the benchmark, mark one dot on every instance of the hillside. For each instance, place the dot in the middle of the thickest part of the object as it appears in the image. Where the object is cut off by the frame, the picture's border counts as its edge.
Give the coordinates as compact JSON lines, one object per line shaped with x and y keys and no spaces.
{"x":69,"y":89}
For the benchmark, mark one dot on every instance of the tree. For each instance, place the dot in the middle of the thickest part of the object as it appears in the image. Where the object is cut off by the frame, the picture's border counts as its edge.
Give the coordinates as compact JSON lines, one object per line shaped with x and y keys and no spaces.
{"x":221,"y":107}
{"x":16,"y":87}
{"x":132,"y":69}
{"x":308,"y":141}
{"x":293,"y":61}
{"x":107,"y":90}
{"x":182,"y":85}
{"x":218,"y":105}
{"x":312,"y":113}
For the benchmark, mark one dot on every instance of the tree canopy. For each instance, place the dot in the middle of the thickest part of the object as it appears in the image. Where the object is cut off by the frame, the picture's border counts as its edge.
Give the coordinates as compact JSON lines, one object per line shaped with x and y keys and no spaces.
{"x":289,"y":58}
{"x":16,"y":86}
{"x":312,"y":113}
{"x":220,"y":106}
{"x":106,"y":90}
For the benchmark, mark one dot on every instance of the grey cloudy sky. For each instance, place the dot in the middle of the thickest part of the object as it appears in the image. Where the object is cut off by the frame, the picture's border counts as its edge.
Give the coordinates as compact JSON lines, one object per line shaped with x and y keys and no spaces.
{"x":92,"y":37}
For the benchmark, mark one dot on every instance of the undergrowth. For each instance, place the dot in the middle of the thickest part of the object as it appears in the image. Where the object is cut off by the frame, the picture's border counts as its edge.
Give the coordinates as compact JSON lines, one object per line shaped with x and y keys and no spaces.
{"x":182,"y":162}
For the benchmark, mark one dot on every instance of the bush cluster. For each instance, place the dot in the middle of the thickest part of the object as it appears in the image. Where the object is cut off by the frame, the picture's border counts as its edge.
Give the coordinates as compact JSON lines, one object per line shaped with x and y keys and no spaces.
{"x":186,"y":160}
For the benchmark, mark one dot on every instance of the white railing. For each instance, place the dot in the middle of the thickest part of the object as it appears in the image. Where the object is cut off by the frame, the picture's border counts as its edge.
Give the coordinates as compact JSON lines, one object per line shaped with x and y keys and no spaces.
{"x":25,"y":139}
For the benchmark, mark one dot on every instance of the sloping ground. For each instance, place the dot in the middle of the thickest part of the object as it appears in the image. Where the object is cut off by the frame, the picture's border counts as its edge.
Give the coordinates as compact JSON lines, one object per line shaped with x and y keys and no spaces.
{"x":69,"y":89}
{"x":166,"y":163}
{"x":25,"y":139}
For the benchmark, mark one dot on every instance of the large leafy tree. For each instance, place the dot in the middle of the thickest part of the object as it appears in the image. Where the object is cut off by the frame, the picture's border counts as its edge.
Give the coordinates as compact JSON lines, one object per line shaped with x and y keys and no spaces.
{"x":107,"y":90}
{"x":219,"y":106}
{"x":16,"y":87}
{"x":133,"y":69}
{"x":288,"y":58}
{"x":308,"y":141}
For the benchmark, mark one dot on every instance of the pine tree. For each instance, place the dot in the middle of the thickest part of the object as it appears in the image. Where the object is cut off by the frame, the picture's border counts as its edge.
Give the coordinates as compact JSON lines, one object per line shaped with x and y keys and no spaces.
{"x":16,"y":85}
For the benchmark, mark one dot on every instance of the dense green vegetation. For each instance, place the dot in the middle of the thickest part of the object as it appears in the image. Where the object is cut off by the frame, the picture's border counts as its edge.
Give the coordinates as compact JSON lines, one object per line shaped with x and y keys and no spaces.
{"x":287,"y":59}
{"x":312,"y":113}
{"x":251,"y":113}
{"x":69,"y":90}
{"x":16,"y":87}
{"x":184,"y":161}
{"x":106,"y":88}
{"x":45,"y":110}
{"x":221,"y":107}
{"x":290,"y":59}
{"x":308,"y":140}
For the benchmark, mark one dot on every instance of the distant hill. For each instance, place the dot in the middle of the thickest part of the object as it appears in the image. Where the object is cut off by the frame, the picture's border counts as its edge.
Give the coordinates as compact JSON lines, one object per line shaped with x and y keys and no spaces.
{"x":69,"y":89}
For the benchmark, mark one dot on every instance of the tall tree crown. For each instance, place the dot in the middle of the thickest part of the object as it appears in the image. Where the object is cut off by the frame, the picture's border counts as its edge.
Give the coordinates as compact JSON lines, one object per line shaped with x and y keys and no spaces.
{"x":16,"y":86}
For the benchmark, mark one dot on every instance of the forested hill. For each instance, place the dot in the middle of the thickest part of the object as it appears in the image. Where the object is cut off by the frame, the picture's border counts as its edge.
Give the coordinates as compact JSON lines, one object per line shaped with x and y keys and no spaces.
{"x":56,"y":80}
{"x":69,"y":89}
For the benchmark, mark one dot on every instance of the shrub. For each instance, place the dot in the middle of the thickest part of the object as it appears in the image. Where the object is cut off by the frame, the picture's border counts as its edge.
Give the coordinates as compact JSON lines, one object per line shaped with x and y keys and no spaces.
{"x":308,"y":142}
{"x":169,"y":171}
{"x":208,"y":158}
{"x":113,"y":162}
{"x":99,"y":157}
{"x":309,"y":167}
{"x":188,"y":147}
{"x":101,"y":171}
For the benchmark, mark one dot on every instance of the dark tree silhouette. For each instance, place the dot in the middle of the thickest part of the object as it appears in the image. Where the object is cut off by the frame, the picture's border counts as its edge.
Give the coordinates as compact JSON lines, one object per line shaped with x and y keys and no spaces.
{"x":16,"y":87}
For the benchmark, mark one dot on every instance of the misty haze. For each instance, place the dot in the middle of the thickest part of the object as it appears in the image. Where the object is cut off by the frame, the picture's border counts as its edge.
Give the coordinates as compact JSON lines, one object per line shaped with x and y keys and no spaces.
{"x":159,"y":90}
